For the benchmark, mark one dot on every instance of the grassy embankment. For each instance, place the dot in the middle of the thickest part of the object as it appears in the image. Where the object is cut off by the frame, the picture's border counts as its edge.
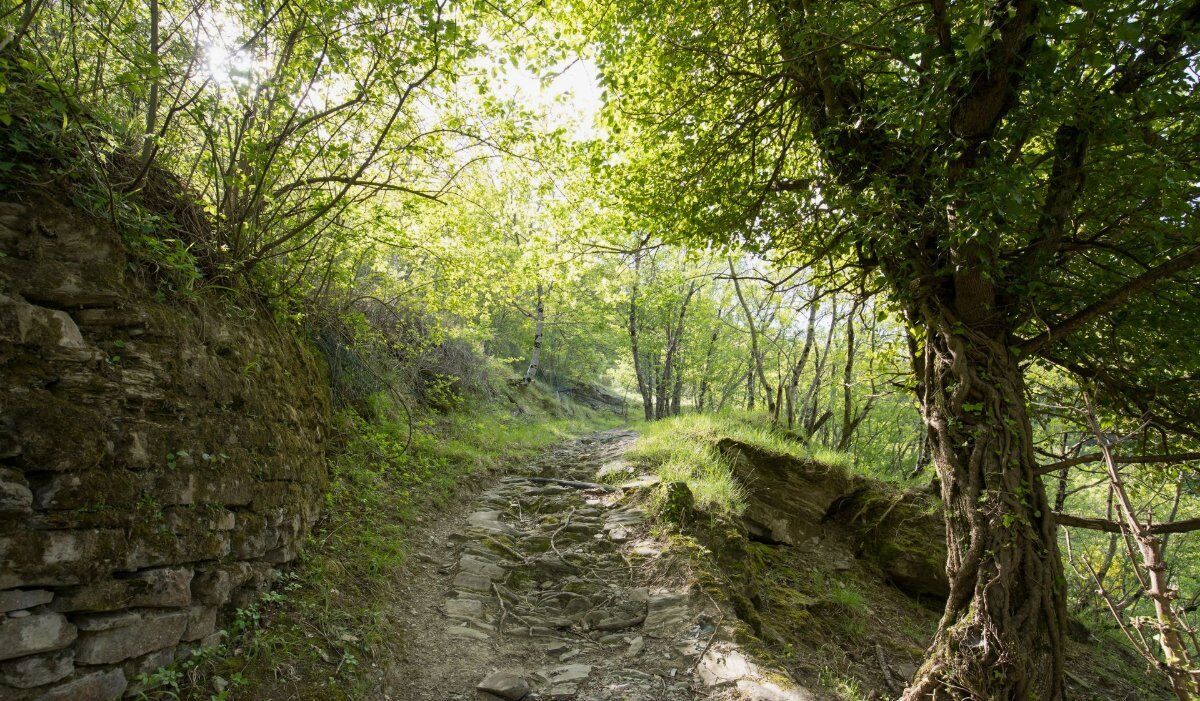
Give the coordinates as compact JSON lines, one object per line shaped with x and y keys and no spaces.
{"x":684,"y":449}
{"x":817,"y":611}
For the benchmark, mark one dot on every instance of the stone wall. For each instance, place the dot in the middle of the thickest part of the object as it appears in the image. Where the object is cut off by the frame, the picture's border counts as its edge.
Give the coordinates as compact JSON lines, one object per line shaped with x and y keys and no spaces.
{"x":157,"y":460}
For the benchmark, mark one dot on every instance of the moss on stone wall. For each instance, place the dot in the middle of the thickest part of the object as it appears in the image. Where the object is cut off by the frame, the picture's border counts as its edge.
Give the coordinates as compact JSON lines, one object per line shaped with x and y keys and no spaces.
{"x":140,"y":440}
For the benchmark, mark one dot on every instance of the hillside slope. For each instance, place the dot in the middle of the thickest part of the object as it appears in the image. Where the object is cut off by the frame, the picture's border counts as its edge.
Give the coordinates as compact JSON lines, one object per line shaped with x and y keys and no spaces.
{"x":834,"y":577}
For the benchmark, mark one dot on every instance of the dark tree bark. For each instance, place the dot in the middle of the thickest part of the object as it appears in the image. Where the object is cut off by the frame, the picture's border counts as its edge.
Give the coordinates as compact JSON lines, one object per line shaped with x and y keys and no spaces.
{"x":1001,"y":633}
{"x":812,"y":419}
{"x":677,"y":392}
{"x":849,"y":420}
{"x":750,"y":384}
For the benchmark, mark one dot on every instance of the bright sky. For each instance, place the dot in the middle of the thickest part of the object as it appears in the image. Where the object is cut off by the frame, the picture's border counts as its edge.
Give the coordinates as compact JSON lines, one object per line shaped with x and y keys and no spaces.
{"x":570,"y":98}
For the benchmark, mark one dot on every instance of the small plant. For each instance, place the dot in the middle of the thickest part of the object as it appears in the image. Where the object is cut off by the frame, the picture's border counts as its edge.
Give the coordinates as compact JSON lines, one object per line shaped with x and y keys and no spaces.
{"x":164,"y":682}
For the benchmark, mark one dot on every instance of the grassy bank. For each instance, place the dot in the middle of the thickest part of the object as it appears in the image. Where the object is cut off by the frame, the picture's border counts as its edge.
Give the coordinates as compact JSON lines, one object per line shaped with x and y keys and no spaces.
{"x":327,"y":625}
{"x":683,"y":449}
{"x":829,"y":608}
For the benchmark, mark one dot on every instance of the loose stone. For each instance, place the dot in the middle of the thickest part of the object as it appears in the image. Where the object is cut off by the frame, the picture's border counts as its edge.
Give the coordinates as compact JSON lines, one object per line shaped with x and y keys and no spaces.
{"x":507,"y":684}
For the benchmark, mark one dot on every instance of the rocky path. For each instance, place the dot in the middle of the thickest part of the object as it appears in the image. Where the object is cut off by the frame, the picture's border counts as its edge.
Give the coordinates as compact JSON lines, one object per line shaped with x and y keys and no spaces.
{"x":550,"y":586}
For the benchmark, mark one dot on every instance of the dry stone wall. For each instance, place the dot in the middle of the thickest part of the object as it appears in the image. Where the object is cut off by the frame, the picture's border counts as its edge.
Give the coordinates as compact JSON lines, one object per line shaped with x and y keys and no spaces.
{"x":157,"y":460}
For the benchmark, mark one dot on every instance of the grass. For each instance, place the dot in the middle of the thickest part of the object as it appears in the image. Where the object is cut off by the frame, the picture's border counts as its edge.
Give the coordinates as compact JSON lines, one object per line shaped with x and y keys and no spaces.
{"x":328,"y":627}
{"x":847,"y":689}
{"x":683,"y":448}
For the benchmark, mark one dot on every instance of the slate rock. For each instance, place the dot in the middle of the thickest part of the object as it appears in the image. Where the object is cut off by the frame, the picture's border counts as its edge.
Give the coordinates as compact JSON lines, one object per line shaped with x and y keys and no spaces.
{"x":15,"y":498}
{"x":472,"y":582}
{"x":15,"y":599}
{"x":666,"y":609}
{"x":95,"y":686}
{"x":201,"y":622}
{"x":34,"y":634}
{"x":37,"y":670}
{"x":506,"y":684}
{"x":164,"y":586}
{"x":145,"y":632}
{"x":636,"y":646}
{"x":465,"y":632}
{"x":568,"y":673}
{"x":480,"y":567}
{"x":464,"y":609}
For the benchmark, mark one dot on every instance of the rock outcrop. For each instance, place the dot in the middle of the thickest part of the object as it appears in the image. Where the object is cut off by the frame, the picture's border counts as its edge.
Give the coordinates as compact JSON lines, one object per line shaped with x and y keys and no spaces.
{"x":791,"y":500}
{"x":157,"y":459}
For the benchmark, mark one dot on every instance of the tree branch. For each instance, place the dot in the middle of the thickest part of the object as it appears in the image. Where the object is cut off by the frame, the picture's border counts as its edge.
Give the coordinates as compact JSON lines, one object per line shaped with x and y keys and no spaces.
{"x":1131,"y":460}
{"x":1110,"y":301}
{"x":1103,"y":524}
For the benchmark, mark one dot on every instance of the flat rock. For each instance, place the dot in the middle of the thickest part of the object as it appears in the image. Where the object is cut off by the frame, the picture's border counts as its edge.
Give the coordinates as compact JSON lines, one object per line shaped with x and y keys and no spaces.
{"x":145,"y":632}
{"x":507,"y":684}
{"x":636,"y":646}
{"x":480,"y":567}
{"x":96,"y":686}
{"x":33,"y":634}
{"x":164,"y":586}
{"x":615,"y":467}
{"x":15,"y":599}
{"x":666,"y":609}
{"x":465,"y":632}
{"x":472,"y":582}
{"x":490,"y":521}
{"x":556,"y":647}
{"x":15,"y":498}
{"x":465,"y":609}
{"x":568,"y":673}
{"x":37,"y":670}
{"x":764,"y":690}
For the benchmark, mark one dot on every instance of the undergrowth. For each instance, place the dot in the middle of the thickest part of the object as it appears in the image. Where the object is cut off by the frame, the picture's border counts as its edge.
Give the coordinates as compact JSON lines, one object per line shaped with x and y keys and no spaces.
{"x":329,"y":625}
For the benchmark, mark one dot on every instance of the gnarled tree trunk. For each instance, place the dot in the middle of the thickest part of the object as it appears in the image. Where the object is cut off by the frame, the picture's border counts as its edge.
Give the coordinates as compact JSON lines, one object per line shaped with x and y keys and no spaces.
{"x":1001,"y":633}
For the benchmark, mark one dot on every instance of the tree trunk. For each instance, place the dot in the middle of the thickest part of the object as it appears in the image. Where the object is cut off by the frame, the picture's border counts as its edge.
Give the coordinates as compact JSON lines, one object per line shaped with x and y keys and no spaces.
{"x":848,"y":420}
{"x":812,"y":395}
{"x":651,"y":388}
{"x":668,"y":404}
{"x":1088,"y":594}
{"x":755,"y":353}
{"x":702,"y":393}
{"x":1175,"y":658}
{"x":639,"y":369}
{"x":29,"y":9}
{"x":539,"y":322}
{"x":1001,"y":633}
{"x":677,"y":389}
{"x":662,"y":385}
{"x":922,"y":457}
{"x":798,"y":368}
{"x":750,"y":384}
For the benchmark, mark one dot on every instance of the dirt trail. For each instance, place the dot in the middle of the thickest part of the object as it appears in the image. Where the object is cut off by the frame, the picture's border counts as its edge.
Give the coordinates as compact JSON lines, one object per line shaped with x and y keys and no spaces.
{"x":548,"y":587}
